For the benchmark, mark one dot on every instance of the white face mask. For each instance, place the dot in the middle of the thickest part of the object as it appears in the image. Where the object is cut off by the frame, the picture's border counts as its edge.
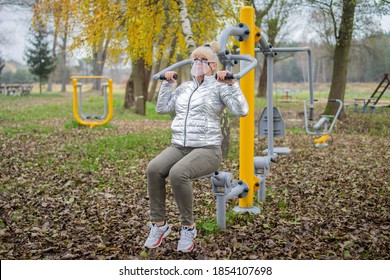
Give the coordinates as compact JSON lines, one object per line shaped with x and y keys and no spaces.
{"x":200,"y":67}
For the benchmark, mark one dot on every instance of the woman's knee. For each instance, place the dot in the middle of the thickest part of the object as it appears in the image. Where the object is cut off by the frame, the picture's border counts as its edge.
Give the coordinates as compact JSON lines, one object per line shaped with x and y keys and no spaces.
{"x":153,"y":168}
{"x":178,"y":174}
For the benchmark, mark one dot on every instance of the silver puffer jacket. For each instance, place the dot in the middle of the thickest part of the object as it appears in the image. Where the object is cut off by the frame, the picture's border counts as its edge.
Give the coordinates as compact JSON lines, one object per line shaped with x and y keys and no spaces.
{"x":199,"y":109}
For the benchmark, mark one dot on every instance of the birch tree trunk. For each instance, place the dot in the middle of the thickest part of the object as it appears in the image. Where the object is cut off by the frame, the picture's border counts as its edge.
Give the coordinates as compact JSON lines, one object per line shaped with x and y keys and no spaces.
{"x":186,"y":26}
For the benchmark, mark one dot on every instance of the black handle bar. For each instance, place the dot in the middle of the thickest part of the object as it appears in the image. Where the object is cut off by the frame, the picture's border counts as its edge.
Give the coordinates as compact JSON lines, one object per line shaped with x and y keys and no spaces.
{"x":227,"y":77}
{"x":162,"y":77}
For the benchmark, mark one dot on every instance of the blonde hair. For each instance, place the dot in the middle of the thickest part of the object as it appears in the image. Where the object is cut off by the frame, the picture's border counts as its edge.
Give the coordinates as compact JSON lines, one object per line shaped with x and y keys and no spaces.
{"x":210,"y":50}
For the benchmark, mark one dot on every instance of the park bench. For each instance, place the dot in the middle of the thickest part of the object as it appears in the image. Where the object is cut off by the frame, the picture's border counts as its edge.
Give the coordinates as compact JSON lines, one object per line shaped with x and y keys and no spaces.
{"x":16,"y":89}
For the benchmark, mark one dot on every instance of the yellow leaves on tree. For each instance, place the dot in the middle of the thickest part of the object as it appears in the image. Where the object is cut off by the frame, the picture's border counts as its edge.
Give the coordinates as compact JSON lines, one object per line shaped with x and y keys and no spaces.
{"x":98,"y":21}
{"x":135,"y":29}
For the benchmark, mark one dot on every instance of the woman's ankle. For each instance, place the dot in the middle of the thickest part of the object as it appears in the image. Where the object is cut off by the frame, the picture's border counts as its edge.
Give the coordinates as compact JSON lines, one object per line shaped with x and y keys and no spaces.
{"x":159,"y":224}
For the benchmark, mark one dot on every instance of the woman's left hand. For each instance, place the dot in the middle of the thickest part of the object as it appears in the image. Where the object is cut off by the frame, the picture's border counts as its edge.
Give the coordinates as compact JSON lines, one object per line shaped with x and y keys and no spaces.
{"x":221,"y":77}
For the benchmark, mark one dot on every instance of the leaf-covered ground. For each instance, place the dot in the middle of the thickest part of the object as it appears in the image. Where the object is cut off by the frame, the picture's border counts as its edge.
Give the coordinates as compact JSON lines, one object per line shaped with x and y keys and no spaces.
{"x":60,"y":199}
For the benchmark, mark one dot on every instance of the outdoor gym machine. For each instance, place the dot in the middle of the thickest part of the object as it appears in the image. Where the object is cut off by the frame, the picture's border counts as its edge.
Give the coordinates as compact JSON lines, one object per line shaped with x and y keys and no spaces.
{"x":277,"y":125}
{"x":90,"y":119}
{"x":271,"y":123}
{"x":321,"y":128}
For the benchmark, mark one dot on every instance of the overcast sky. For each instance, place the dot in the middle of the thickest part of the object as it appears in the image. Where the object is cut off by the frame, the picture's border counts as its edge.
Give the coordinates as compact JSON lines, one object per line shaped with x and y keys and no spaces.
{"x":14,"y":25}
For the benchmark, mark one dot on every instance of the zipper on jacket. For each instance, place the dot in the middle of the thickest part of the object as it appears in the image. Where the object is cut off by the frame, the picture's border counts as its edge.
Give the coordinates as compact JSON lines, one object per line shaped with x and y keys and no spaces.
{"x":188,"y":111}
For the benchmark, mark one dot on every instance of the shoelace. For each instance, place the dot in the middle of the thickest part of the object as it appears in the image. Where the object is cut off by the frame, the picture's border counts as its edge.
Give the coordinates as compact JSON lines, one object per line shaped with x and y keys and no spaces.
{"x":154,"y":231}
{"x":186,"y":234}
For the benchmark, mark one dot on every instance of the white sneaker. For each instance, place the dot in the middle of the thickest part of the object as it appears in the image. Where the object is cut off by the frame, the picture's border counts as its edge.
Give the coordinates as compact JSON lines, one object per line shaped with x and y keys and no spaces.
{"x":186,"y":242}
{"x":156,"y":235}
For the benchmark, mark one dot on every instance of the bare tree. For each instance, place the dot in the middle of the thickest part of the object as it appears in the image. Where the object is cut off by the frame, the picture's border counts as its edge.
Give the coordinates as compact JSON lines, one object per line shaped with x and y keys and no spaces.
{"x":272,"y":17}
{"x":343,"y":19}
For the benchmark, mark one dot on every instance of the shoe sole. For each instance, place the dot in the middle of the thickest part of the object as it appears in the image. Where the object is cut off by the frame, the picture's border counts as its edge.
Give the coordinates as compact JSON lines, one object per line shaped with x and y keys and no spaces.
{"x":190,"y":248}
{"x":166,"y":233}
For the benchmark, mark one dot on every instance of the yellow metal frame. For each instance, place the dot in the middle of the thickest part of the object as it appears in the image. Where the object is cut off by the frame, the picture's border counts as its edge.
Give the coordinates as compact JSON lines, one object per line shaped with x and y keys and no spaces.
{"x":75,"y":101}
{"x":247,"y":132}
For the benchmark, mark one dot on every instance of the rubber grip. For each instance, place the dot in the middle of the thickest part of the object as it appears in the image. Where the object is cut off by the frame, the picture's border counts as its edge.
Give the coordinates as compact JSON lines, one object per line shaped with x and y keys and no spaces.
{"x":227,"y":77}
{"x":311,"y":114}
{"x":162,"y":76}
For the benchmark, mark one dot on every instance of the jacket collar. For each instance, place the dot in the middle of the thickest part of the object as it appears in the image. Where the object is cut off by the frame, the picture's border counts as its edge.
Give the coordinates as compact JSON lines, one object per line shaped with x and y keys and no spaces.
{"x":206,"y":80}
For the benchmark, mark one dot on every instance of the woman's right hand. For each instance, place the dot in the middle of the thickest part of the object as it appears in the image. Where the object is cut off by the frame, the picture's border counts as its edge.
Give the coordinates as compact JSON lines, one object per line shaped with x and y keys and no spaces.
{"x":221,"y":77}
{"x":169,"y":76}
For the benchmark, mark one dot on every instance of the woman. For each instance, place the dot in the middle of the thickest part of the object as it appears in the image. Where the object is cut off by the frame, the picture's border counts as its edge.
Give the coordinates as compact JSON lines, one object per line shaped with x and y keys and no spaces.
{"x":196,"y":140}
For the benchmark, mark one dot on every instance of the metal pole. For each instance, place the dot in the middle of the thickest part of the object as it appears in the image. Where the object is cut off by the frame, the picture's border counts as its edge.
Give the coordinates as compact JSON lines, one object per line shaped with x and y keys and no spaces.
{"x":221,"y":211}
{"x":263,"y":189}
{"x":172,"y":67}
{"x":80,"y":99}
{"x":270,"y":105}
{"x":227,"y":32}
{"x":247,"y":133}
{"x":104,"y":89}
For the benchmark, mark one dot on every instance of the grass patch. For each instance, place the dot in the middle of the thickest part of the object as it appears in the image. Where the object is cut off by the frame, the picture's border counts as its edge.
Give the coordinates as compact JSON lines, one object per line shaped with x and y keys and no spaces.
{"x":28,"y":129}
{"x":117,"y":148}
{"x":242,"y":219}
{"x":295,"y":130}
{"x":72,"y":124}
{"x":208,"y":225}
{"x":36,"y":113}
{"x":120,"y":113}
{"x":38,"y":107}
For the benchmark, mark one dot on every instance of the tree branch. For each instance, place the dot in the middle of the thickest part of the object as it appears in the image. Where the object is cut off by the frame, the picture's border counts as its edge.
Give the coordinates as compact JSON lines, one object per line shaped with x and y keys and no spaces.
{"x":22,"y":3}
